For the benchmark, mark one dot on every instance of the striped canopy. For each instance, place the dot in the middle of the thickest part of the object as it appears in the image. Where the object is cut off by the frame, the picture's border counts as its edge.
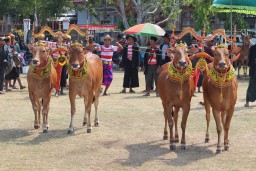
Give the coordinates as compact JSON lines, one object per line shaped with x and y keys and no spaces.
{"x":146,"y":29}
{"x":238,"y":6}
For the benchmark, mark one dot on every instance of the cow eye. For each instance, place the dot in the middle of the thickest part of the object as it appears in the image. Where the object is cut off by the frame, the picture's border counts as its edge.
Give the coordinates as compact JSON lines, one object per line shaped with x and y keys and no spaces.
{"x":43,"y":51}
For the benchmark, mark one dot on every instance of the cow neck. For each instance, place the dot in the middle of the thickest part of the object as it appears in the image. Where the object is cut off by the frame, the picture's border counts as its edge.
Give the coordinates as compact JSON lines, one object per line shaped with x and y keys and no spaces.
{"x":43,"y":70}
{"x":180,"y":75}
{"x":80,"y":72}
{"x":220,"y":79}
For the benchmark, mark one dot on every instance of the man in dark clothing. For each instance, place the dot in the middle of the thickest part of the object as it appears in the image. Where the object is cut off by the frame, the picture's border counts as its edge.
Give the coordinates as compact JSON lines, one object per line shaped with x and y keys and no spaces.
{"x":251,"y":91}
{"x":152,"y":62}
{"x":3,"y":63}
{"x":164,"y":47}
{"x":130,"y":58}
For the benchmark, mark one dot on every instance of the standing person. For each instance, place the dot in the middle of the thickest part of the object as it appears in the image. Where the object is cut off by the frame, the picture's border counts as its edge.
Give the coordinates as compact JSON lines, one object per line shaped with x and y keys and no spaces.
{"x":152,"y":62}
{"x":11,"y":73}
{"x":107,"y":51}
{"x":3,"y":63}
{"x":251,"y":91}
{"x":131,"y":60}
{"x":164,"y":47}
{"x":64,"y":73}
{"x":17,"y":60}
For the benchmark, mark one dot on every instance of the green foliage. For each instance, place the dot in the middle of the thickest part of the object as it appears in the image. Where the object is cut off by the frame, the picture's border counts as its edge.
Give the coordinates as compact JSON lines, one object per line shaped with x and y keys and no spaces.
{"x":237,"y":19}
{"x":202,"y":13}
{"x":25,"y":9}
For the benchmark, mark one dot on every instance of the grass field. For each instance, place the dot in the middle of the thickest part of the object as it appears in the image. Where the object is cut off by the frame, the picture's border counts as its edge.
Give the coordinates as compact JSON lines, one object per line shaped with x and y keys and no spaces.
{"x":129,"y":136}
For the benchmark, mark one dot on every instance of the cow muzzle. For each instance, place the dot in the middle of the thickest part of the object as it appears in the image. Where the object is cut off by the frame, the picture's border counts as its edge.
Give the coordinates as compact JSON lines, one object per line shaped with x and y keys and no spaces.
{"x":75,"y":66}
{"x":222,"y":65}
{"x":182,"y":64}
{"x":35,"y":62}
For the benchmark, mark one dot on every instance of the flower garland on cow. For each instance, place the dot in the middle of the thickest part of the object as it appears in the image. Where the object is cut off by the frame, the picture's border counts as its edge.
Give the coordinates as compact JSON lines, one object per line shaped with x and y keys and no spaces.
{"x":216,"y":78}
{"x":44,"y":69}
{"x":81,"y":72}
{"x":180,"y":75}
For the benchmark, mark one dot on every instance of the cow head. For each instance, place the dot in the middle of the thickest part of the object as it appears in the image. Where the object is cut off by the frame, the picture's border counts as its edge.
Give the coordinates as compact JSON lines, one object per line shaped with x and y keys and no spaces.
{"x":221,"y":58}
{"x":40,"y":54}
{"x":77,"y":57}
{"x":180,"y":53}
{"x":246,"y":40}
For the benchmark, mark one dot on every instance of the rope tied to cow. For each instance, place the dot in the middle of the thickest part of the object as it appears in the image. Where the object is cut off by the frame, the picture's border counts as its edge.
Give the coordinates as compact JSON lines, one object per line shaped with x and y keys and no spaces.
{"x":180,"y":75}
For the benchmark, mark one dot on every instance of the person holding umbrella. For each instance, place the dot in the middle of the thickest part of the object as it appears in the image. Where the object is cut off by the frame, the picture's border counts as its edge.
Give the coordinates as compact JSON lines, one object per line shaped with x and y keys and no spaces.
{"x":130,"y":60}
{"x":152,"y":62}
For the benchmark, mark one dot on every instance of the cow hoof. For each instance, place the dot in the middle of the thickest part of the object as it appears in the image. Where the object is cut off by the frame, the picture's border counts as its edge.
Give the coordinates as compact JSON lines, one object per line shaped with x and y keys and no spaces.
{"x":207,"y":140}
{"x":172,"y":147}
{"x":70,"y":131}
{"x":36,"y":127}
{"x":183,"y":147}
{"x":84,"y":123}
{"x":165,"y":137}
{"x":226,"y":147}
{"x":45,"y":130}
{"x":89,"y":130}
{"x":96,"y":124}
{"x":218,"y":151}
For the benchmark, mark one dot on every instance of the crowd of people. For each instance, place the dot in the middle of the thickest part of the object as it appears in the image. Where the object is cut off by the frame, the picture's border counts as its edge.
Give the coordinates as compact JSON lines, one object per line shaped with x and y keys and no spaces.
{"x":128,"y":57}
{"x":11,"y":61}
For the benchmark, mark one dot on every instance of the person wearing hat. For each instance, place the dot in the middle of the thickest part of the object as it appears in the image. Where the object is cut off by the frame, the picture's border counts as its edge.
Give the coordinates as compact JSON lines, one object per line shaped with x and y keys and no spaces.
{"x":106,"y":56}
{"x":3,"y":63}
{"x":17,"y":60}
{"x":164,"y":47}
{"x":152,"y":63}
{"x":64,"y":74}
{"x":130,"y":58}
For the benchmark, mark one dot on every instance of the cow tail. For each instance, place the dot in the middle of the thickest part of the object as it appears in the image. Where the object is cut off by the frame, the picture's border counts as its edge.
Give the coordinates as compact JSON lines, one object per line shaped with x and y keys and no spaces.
{"x":42,"y":101}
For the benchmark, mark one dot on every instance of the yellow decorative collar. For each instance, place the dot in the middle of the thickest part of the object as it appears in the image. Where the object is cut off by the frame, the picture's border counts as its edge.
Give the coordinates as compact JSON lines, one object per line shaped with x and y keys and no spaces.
{"x":42,"y":72}
{"x":180,"y":76}
{"x":80,"y":73}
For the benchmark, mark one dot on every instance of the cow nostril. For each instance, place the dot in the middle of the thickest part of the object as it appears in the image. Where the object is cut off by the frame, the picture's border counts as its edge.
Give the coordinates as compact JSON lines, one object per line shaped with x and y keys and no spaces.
{"x":74,"y":65}
{"x":35,"y":61}
{"x":222,"y":64}
{"x":182,"y":63}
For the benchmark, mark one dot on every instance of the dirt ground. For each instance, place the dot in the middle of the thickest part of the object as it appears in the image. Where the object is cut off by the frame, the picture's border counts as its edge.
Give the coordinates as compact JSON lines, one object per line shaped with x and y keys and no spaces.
{"x":129,"y":136}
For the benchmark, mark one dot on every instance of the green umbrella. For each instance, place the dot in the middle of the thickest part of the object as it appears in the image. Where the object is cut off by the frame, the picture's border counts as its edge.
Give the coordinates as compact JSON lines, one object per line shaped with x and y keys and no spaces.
{"x":239,"y":6}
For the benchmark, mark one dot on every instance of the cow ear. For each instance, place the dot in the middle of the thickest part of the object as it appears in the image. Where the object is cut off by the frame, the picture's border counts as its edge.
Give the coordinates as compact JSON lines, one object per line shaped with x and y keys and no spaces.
{"x":171,"y":50}
{"x":214,"y":50}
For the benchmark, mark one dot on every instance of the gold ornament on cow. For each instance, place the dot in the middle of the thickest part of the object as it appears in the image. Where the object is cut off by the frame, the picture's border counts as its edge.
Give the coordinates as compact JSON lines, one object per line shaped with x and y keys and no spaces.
{"x":42,"y":72}
{"x":80,"y":73}
{"x":180,"y":76}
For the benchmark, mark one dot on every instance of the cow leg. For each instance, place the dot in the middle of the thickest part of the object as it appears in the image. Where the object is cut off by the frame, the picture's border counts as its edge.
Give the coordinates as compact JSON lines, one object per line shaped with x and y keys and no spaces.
{"x":72,"y":99}
{"x":176,"y":115}
{"x":226,"y":127}
{"x":168,"y":111}
{"x":165,"y":137}
{"x":46,"y":107}
{"x":217,"y":118}
{"x":186,"y":110}
{"x":96,"y":103}
{"x":35,"y":109}
{"x":207,"y":116}
{"x":88,"y":106}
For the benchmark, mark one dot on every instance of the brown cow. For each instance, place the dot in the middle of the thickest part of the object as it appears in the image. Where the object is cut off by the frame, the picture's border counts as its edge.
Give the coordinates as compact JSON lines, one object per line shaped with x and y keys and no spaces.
{"x":41,"y":79}
{"x":243,"y":59}
{"x":220,"y":93}
{"x":85,"y":80}
{"x":176,"y":92}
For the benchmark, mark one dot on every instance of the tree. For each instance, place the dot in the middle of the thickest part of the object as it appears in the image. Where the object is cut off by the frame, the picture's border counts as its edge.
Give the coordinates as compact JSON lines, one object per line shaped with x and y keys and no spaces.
{"x":139,"y":11}
{"x":202,"y":13}
{"x":237,"y":19}
{"x":45,"y":8}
